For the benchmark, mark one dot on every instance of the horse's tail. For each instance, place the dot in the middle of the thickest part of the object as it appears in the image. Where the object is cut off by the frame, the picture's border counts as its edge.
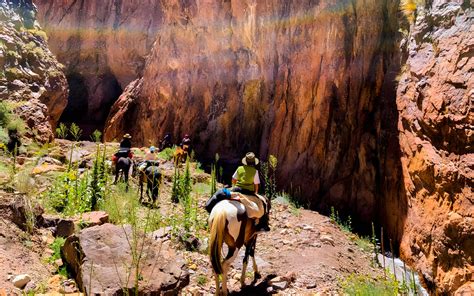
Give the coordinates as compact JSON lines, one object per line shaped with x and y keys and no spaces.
{"x":216,"y":240}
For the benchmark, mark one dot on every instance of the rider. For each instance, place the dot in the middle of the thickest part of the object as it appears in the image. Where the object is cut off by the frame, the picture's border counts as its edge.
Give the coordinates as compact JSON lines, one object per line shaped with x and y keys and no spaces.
{"x":246,"y":181}
{"x":151,"y":155}
{"x":125,"y":149}
{"x":166,"y":142}
{"x":186,"y":141}
{"x":126,"y":141}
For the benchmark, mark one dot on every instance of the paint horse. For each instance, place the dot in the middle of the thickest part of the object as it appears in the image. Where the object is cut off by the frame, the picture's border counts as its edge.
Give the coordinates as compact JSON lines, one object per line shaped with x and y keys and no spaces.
{"x":230,"y":225}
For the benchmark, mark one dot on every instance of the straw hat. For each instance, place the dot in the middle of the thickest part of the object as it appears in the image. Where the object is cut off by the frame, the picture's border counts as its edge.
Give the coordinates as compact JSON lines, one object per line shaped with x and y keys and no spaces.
{"x":127,"y":136}
{"x":250,"y":159}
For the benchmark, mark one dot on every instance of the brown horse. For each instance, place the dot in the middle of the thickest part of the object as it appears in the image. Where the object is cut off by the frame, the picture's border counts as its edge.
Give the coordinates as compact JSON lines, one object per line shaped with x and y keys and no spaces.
{"x":230,"y":225}
{"x":180,"y":155}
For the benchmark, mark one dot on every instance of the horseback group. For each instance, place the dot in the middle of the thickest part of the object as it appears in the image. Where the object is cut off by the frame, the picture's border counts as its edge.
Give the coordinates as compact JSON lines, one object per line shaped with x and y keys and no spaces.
{"x":148,"y":170}
{"x":236,"y":215}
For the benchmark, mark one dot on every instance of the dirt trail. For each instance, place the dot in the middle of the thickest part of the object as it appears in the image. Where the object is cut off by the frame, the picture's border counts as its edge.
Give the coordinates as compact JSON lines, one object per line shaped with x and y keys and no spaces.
{"x":304,"y":253}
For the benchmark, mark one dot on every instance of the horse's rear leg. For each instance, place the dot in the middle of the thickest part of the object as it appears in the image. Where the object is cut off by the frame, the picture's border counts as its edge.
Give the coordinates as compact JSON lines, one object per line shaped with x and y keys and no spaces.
{"x":225,"y":267}
{"x":256,"y":274}
{"x":244,"y":266}
{"x":125,"y":176}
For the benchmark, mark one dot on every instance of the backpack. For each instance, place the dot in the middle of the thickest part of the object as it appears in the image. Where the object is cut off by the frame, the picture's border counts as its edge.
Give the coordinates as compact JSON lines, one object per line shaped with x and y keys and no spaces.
{"x":220,"y":195}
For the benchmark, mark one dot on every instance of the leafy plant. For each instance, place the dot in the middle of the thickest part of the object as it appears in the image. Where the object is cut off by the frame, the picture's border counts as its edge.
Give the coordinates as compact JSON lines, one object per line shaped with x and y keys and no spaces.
{"x":269,"y":175}
{"x":344,"y":225}
{"x":62,"y":131}
{"x":167,"y":153}
{"x":364,"y":285}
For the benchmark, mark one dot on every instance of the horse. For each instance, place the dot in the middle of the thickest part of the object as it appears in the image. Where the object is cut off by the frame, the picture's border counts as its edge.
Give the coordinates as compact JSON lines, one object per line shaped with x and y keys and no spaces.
{"x":123,"y":165}
{"x":230,"y":225}
{"x":180,"y":155}
{"x":152,"y":176}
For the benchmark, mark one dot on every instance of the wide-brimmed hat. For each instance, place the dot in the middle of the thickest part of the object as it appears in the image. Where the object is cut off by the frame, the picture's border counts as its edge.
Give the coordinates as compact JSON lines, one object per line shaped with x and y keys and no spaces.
{"x":250,"y":159}
{"x":127,"y":136}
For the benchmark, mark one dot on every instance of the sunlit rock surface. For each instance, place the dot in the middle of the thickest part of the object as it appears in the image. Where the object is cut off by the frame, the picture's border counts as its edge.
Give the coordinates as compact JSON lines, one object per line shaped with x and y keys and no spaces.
{"x":435,"y":100}
{"x":30,"y":76}
{"x":301,"y":80}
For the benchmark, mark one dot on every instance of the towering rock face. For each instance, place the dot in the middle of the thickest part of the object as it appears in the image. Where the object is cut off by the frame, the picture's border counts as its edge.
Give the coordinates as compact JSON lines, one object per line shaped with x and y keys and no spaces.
{"x":302,"y":80}
{"x":103,"y":45}
{"x":30,"y":75}
{"x":435,"y":100}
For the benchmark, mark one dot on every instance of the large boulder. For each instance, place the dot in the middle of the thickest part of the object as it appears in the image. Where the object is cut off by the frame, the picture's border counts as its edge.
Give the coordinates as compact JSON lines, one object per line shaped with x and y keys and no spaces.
{"x":101,"y":260}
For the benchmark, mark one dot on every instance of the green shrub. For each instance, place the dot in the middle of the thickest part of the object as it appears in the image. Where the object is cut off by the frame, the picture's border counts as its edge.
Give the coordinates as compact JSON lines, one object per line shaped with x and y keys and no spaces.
{"x":269,"y":176}
{"x":3,"y":136}
{"x":5,"y":114}
{"x":167,"y":154}
{"x":363,"y":285}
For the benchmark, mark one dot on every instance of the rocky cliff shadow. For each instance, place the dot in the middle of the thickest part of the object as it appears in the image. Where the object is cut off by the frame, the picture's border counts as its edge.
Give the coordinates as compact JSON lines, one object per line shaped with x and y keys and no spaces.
{"x":90,"y":100}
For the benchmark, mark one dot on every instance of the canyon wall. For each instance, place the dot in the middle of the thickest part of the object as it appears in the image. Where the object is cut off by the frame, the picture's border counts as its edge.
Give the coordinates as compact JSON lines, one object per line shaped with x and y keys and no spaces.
{"x":103,"y":45}
{"x":436,"y":102}
{"x":31,"y":78}
{"x":302,"y":80}
{"x":313,"y":82}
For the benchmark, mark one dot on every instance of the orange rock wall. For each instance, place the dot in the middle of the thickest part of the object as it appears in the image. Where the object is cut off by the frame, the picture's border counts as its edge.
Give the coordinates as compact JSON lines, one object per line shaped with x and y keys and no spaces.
{"x":435,"y":100}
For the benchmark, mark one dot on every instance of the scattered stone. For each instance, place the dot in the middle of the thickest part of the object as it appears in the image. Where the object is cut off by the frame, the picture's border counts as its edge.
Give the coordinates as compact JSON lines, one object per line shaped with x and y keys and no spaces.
{"x":49,"y":160}
{"x":282,"y":285}
{"x":58,"y":262}
{"x":95,"y":218}
{"x":161,"y":233}
{"x":21,"y":280}
{"x":311,"y":286}
{"x":44,"y":168}
{"x":64,"y":228}
{"x":30,"y":287}
{"x":68,"y":287}
{"x":327,"y":239}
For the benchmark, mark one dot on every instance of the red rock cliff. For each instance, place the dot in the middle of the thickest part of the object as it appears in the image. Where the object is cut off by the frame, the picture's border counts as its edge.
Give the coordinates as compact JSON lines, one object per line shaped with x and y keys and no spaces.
{"x":30,"y":75}
{"x":435,"y":100}
{"x":103,"y":45}
{"x":298,"y":79}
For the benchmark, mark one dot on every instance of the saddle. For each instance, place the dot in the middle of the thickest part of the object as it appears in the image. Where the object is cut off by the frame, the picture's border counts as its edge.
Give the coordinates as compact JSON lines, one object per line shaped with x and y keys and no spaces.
{"x":253,"y":204}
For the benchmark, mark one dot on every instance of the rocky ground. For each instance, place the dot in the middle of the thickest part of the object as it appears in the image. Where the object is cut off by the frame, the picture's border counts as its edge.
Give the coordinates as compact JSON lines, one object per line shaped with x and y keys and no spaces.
{"x":305,"y":252}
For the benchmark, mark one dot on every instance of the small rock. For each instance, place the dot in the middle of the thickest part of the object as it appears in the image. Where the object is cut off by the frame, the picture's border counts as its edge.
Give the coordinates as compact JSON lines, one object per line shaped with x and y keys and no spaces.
{"x":21,"y":280}
{"x":95,"y":218}
{"x":327,"y":239}
{"x":311,"y":286}
{"x":280,"y":285}
{"x":58,"y":262}
{"x":350,"y":250}
{"x":30,"y":287}
{"x":65,"y":228}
